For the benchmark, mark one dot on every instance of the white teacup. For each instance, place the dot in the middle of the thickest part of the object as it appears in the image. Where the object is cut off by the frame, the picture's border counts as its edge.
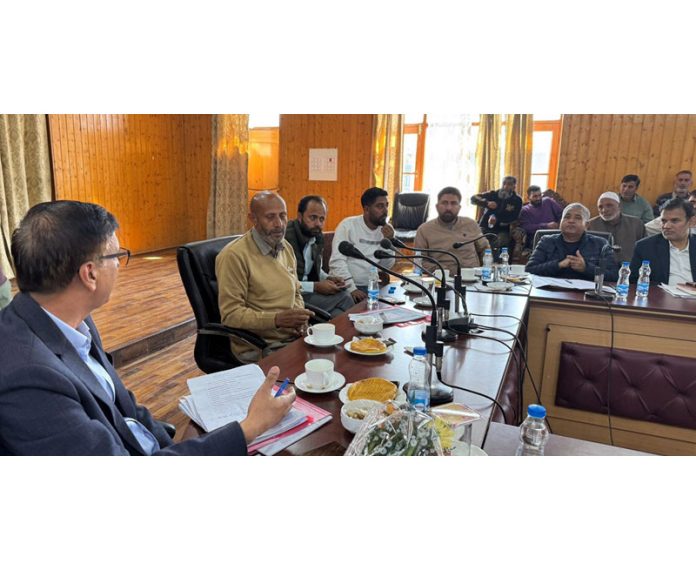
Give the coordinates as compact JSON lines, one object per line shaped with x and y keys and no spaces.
{"x":516,"y":269}
{"x":468,"y":273}
{"x":322,"y":333}
{"x":319,"y":372}
{"x":438,"y":274}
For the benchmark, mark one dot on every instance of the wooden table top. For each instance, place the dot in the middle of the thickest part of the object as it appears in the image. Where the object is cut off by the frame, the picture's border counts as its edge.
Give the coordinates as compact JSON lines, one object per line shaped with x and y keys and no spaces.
{"x":472,"y":362}
{"x":658,"y":301}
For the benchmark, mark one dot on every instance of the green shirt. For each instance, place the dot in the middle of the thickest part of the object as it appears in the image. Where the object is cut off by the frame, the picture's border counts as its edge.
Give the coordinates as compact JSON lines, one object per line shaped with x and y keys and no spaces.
{"x":638,"y":207}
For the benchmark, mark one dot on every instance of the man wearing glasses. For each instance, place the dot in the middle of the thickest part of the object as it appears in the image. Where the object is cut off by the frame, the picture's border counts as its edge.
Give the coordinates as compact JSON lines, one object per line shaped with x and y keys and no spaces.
{"x":59,"y":395}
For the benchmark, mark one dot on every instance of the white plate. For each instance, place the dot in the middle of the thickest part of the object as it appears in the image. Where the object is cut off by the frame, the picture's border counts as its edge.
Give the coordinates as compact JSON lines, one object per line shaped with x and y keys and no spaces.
{"x":336,"y":340}
{"x":343,"y":395}
{"x":520,"y":275}
{"x":347,"y":346}
{"x":422,"y":301}
{"x":337,"y":380}
{"x":475,"y":451}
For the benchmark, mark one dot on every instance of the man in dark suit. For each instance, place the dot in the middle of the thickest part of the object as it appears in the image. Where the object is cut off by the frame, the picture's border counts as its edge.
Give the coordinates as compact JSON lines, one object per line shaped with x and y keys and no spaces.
{"x":307,"y":239}
{"x":671,"y":253}
{"x":59,"y":395}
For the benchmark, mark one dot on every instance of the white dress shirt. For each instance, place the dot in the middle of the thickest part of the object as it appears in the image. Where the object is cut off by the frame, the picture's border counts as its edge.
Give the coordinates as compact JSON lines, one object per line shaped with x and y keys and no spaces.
{"x":679,"y":265}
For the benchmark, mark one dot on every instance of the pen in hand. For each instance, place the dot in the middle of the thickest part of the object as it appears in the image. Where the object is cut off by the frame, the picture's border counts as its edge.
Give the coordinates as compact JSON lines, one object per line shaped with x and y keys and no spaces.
{"x":282,"y":387}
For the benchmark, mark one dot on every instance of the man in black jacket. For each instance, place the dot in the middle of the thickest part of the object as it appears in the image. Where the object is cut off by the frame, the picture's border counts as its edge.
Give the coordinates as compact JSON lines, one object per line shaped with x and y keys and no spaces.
{"x":501,"y":208}
{"x":305,"y":235}
{"x":671,"y":253}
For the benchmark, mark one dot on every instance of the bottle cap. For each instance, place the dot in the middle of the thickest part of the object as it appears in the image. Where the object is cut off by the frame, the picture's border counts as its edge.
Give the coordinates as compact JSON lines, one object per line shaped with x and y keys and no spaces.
{"x":626,"y":263}
{"x":646,"y":262}
{"x":487,"y":251}
{"x":536,"y":411}
{"x":419,"y":351}
{"x":503,"y":250}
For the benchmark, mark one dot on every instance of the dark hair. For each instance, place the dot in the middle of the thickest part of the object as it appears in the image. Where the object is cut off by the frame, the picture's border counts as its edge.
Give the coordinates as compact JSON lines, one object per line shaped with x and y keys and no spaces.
{"x":370,"y":196}
{"x":302,"y":206}
{"x":677,"y":203}
{"x":692,"y":193}
{"x":449,"y":190}
{"x":510,"y":178}
{"x":685,"y":172}
{"x":631,"y":178}
{"x":54,"y":239}
{"x":533,"y":189}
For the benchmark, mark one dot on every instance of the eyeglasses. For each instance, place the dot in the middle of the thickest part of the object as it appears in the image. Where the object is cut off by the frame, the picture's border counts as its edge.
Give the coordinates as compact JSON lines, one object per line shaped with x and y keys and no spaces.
{"x":122,"y":252}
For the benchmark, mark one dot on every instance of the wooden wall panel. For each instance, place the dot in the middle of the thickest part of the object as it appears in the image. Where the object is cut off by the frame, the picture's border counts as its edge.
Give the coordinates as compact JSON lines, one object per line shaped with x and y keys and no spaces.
{"x":598,"y":150}
{"x":151,"y":171}
{"x":351,"y":135}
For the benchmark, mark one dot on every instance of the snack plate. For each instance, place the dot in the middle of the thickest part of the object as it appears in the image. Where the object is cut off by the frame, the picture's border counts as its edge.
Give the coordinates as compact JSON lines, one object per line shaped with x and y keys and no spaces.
{"x":348,"y":347}
{"x":343,"y":395}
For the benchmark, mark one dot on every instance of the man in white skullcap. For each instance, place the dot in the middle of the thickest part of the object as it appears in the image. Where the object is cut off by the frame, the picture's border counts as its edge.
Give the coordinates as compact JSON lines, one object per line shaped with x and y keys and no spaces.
{"x":627,"y":230}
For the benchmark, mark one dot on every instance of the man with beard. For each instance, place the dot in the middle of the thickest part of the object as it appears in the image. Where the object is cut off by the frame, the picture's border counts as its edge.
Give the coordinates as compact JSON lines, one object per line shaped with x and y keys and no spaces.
{"x":365,"y":232}
{"x":307,"y":240}
{"x":572,"y":254}
{"x":540,"y":214}
{"x":631,"y":203}
{"x":502,"y":207}
{"x":258,"y":286}
{"x":672,"y":253}
{"x":680,"y":189}
{"x":627,"y":230}
{"x":448,"y":228}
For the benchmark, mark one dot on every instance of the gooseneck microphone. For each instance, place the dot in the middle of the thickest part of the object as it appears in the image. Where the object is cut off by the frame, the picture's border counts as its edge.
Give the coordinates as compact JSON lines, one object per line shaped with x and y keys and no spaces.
{"x":601,"y":267}
{"x":459,"y":244}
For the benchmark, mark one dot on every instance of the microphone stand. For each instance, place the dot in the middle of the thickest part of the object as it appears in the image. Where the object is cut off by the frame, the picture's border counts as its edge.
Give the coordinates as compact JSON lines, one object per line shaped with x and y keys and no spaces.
{"x":443,"y":303}
{"x":598,"y":293}
{"x":434,"y":336}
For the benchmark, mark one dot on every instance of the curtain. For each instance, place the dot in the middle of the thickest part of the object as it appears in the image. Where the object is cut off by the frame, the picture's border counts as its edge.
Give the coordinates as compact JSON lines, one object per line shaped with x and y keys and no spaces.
{"x":227,"y":206}
{"x":519,"y":130}
{"x":387,"y":140}
{"x":488,"y":153}
{"x":25,"y":174}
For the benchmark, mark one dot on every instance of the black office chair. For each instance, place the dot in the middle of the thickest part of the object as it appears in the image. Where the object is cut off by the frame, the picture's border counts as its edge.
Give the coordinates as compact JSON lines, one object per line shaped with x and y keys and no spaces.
{"x":212,"y":352}
{"x":409,"y":212}
{"x":541,"y":233}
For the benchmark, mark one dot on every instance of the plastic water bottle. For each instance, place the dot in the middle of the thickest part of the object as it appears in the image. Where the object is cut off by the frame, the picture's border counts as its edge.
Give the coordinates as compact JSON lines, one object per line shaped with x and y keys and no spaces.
{"x":643,"y":280}
{"x":487,"y":265}
{"x":373,"y":289}
{"x":533,"y":432}
{"x":622,"y":283}
{"x":419,"y":382}
{"x":504,"y":262}
{"x":491,"y":221}
{"x":417,"y":270}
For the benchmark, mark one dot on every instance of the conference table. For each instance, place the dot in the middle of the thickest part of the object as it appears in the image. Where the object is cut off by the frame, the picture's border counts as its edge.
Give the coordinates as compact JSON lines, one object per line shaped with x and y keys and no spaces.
{"x":474,"y":362}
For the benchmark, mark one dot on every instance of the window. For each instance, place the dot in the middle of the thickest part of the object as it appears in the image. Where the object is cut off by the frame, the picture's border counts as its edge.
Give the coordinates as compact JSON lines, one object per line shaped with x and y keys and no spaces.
{"x":413,"y":150}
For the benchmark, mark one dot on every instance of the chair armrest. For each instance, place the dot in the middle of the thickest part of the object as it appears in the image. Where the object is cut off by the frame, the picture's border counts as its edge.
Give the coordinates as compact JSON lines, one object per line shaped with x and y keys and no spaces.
{"x":222,"y":330}
{"x":169,"y":428}
{"x":320,"y":315}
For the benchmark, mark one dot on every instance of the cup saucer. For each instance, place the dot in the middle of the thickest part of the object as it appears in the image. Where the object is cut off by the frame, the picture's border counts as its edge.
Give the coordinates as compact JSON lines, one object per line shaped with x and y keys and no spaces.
{"x":333,"y":342}
{"x":337,"y":381}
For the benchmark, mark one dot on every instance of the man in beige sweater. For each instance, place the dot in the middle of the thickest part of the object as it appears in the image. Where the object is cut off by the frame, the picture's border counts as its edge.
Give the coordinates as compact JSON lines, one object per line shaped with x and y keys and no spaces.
{"x":257,"y":281}
{"x":449,"y":227}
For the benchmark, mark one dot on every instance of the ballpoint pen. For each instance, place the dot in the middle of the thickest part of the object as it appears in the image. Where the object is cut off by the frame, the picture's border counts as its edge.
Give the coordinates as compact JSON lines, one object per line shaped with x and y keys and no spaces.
{"x":282,"y":387}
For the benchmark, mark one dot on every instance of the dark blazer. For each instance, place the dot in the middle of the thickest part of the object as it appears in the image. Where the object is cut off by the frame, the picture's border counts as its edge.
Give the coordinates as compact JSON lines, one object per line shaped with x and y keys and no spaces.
{"x":656,"y":250}
{"x":550,"y":251}
{"x":298,"y":241}
{"x":51,"y":404}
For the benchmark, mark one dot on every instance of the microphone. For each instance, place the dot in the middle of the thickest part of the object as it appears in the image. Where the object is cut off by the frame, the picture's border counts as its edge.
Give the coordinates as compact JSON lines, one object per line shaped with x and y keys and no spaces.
{"x":349,"y":250}
{"x":459,"y":244}
{"x":598,"y":293}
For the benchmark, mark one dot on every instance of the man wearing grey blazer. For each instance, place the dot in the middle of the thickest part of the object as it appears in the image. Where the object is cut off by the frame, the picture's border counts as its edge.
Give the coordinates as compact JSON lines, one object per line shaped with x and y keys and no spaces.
{"x":59,"y":394}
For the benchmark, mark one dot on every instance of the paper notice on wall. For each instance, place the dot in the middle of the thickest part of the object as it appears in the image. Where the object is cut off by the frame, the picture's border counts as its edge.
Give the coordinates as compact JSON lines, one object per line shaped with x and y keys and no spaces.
{"x":323,"y":164}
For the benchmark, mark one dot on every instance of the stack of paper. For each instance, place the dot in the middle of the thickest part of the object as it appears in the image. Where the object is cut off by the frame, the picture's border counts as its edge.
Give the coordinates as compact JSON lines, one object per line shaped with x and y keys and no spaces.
{"x":675,"y":291}
{"x":391,"y":315}
{"x":223,"y":397}
{"x":575,"y":284}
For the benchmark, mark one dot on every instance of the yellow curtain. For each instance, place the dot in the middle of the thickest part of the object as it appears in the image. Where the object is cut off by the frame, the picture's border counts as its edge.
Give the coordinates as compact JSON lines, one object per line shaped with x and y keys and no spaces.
{"x":488,"y":153}
{"x":519,"y":130}
{"x":227,"y":205}
{"x":387,"y":141}
{"x":25,"y":174}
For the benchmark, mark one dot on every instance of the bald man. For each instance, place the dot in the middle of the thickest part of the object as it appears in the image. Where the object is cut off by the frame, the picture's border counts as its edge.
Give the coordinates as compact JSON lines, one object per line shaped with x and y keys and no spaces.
{"x":257,"y":281}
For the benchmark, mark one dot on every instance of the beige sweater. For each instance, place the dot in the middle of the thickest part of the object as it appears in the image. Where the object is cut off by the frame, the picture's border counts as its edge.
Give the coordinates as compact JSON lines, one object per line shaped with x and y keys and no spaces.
{"x":254,"y":287}
{"x":436,"y":235}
